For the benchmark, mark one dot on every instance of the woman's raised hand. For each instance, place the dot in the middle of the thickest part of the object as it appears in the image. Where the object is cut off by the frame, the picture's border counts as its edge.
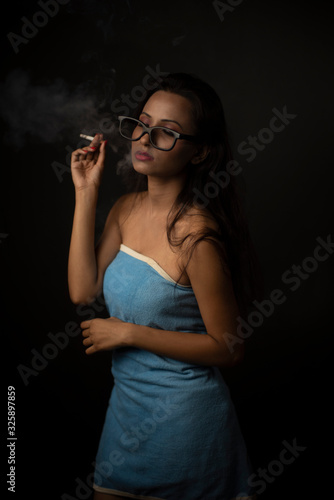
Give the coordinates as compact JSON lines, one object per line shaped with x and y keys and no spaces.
{"x":87,"y":164}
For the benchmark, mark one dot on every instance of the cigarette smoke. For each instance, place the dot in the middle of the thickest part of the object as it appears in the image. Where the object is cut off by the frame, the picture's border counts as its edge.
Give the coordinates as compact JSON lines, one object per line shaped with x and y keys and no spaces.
{"x":52,"y":111}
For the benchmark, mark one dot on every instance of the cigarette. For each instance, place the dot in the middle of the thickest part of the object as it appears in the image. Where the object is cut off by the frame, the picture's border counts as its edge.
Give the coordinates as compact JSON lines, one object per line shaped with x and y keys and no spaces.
{"x":88,"y":137}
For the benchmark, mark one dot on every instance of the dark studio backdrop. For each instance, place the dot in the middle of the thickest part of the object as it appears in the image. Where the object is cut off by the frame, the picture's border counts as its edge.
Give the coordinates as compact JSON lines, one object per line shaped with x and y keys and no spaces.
{"x":70,"y":67}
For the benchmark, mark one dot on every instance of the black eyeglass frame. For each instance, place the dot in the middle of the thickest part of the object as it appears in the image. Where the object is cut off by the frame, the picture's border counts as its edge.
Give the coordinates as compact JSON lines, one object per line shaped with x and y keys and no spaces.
{"x":148,"y":130}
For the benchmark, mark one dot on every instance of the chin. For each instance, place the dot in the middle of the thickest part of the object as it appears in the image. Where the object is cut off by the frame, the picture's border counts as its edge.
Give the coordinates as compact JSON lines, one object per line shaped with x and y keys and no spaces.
{"x":143,"y":167}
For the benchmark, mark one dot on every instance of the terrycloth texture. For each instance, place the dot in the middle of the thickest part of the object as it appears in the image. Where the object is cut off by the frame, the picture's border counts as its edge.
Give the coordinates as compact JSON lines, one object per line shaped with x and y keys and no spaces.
{"x":170,"y":431}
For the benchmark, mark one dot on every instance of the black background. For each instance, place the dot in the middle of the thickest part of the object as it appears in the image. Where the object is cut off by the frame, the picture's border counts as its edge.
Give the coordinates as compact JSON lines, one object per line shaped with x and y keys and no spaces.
{"x":262,"y":55}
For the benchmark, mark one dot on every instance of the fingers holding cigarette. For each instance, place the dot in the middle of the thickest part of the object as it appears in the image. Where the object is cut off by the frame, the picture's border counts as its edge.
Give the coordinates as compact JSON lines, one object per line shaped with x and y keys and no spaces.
{"x":87,"y":164}
{"x":96,"y":141}
{"x":88,"y":137}
{"x":91,"y":152}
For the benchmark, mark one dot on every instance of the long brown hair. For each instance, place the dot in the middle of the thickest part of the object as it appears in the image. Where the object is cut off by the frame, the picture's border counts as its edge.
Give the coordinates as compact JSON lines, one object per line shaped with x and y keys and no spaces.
{"x":232,"y":235}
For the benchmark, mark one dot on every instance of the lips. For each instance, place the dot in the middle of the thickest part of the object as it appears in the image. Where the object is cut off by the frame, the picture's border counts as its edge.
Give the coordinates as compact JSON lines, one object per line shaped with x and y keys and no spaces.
{"x":143,"y":156}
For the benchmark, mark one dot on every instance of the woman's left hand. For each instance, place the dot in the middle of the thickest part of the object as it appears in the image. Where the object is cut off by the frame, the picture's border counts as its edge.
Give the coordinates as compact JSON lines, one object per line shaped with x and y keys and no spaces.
{"x":103,"y":334}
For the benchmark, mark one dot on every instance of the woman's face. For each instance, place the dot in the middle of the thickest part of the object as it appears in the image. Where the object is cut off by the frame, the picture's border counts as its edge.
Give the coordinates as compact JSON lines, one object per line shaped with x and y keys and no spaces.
{"x":173,"y":111}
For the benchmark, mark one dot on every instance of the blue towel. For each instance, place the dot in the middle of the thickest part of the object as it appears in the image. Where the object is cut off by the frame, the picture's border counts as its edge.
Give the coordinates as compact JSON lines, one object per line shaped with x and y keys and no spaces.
{"x":171,"y":431}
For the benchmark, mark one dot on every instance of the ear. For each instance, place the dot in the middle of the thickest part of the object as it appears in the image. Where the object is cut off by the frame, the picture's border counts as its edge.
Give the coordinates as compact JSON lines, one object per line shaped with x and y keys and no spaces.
{"x":200,"y":155}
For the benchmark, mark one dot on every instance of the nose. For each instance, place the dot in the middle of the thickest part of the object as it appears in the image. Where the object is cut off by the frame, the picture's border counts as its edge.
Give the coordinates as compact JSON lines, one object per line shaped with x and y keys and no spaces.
{"x":145,"y":139}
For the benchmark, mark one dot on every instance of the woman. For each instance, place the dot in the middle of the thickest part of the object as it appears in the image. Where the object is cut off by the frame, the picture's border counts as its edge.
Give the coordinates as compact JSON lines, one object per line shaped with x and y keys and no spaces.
{"x":173,"y":270}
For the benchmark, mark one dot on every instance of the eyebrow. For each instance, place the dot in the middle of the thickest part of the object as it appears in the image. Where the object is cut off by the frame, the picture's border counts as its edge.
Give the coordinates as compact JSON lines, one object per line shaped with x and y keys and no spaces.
{"x":164,"y":120}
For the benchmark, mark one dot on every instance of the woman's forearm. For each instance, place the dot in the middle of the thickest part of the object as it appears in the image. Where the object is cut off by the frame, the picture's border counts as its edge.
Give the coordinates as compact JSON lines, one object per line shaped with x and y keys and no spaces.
{"x":195,"y":348}
{"x":82,"y":268}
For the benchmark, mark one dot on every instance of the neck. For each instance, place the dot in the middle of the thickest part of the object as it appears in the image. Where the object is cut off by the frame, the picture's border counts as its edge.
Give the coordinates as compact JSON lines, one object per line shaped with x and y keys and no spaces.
{"x":162,"y":193}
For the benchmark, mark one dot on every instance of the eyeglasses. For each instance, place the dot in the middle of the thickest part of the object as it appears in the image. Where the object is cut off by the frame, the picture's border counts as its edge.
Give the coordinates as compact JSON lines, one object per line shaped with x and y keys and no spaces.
{"x":160,"y":137}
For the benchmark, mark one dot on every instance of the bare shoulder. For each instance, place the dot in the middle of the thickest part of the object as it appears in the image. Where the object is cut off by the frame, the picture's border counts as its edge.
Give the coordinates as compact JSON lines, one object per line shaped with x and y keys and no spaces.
{"x":202,"y":243}
{"x":126,"y":204}
{"x":194,"y":223}
{"x":121,"y":208}
{"x":123,"y":202}
{"x":111,"y":238}
{"x":118,"y":213}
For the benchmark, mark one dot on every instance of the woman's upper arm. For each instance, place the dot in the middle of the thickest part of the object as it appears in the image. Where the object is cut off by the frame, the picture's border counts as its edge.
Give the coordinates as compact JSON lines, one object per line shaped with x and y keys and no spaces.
{"x":212,"y":286}
{"x":110,"y":240}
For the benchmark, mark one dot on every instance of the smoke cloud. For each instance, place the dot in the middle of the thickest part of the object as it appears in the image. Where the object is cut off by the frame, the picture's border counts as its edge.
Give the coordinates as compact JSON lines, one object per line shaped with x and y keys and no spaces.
{"x":51,"y":111}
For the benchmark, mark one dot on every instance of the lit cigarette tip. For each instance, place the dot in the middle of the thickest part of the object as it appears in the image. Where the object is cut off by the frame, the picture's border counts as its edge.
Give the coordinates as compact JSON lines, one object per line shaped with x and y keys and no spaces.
{"x":88,"y":137}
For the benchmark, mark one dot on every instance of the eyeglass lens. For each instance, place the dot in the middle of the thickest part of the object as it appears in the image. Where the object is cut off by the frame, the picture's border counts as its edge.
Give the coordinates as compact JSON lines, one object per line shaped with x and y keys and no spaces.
{"x":160,"y":137}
